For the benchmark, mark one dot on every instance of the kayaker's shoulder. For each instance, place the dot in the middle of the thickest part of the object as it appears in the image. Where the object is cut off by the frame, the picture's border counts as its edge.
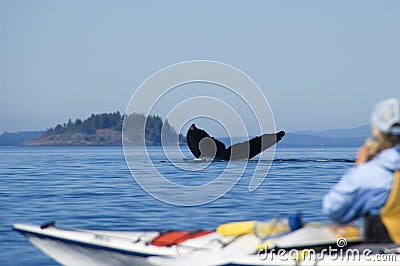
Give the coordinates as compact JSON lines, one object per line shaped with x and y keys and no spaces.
{"x":366,"y":174}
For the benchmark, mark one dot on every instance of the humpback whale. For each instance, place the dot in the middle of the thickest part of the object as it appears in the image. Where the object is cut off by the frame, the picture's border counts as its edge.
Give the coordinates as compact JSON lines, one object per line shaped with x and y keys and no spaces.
{"x":202,"y":145}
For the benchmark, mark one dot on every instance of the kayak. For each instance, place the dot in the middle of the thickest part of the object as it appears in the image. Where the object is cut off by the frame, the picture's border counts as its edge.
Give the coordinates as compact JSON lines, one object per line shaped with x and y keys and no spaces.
{"x":310,"y":245}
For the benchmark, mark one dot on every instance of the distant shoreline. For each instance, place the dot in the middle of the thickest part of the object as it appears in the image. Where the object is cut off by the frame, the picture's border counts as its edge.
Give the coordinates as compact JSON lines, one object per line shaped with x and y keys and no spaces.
{"x":106,"y":130}
{"x":290,"y":140}
{"x":100,"y":130}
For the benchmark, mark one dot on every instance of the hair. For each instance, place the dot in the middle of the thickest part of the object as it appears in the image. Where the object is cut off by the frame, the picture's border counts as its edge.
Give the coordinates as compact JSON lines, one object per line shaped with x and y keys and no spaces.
{"x":380,"y":142}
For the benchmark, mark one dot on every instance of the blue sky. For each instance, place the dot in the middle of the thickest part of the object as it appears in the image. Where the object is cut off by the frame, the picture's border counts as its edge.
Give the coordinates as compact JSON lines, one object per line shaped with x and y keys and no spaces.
{"x":321,"y":64}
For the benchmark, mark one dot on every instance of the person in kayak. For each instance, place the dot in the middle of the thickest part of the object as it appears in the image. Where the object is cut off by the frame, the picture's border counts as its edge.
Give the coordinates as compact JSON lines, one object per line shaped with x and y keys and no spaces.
{"x":371,"y":189}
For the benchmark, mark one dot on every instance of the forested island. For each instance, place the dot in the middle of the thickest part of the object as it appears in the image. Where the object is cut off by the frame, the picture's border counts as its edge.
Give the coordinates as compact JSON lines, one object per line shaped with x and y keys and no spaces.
{"x":106,"y":130}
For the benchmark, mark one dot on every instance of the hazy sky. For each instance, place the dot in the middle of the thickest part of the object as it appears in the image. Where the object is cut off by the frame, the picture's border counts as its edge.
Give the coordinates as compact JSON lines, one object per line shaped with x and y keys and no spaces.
{"x":321,"y":64}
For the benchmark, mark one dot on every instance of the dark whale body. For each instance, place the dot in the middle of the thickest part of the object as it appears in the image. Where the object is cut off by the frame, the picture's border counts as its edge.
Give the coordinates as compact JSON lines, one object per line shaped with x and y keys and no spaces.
{"x":203,"y":145}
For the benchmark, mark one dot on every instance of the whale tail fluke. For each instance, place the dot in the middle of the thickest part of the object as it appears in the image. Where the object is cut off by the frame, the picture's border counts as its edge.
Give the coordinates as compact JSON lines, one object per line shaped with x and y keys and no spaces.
{"x":201,"y":144}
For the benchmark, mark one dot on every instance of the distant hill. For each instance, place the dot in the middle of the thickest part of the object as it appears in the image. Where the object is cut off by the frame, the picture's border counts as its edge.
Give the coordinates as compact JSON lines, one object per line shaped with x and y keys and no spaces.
{"x":17,"y":138}
{"x":334,"y":137}
{"x":362,"y":131}
{"x":106,"y":130}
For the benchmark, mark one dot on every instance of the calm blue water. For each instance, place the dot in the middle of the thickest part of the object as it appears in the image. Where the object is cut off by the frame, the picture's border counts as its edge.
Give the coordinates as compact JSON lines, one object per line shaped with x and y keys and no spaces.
{"x":91,"y":187}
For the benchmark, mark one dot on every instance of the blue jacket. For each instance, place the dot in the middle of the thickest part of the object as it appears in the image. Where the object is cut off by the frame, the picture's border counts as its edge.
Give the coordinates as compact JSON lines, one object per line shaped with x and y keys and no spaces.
{"x":363,"y":189}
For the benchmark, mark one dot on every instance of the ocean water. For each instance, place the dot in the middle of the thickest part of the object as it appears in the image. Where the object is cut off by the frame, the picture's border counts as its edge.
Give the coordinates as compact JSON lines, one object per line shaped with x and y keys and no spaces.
{"x":92,"y":188}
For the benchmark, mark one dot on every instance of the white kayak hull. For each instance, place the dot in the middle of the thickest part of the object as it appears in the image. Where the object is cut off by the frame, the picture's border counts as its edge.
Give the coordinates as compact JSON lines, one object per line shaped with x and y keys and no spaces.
{"x":67,"y":253}
{"x":96,"y":247}
{"x":75,"y":247}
